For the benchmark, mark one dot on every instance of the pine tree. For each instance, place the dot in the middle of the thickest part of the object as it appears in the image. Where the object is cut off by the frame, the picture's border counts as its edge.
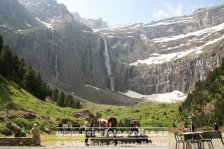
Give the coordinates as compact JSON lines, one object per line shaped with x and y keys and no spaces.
{"x":61,"y":100}
{"x":29,"y":82}
{"x":54,"y":95}
{"x":21,"y":71}
{"x":1,"y":43}
{"x":6,"y":62}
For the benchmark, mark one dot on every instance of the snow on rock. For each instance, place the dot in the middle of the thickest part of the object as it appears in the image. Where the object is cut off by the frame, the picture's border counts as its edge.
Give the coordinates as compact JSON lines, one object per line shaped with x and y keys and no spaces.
{"x":48,"y":25}
{"x":171,"y":97}
{"x":4,"y":26}
{"x":163,"y":58}
{"x":96,"y":88}
{"x":170,"y":21}
{"x":86,"y":31}
{"x":191,"y":34}
{"x":28,"y":24}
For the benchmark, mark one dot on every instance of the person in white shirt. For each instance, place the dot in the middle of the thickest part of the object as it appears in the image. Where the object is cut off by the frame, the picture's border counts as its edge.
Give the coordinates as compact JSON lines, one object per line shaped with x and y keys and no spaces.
{"x":88,"y":128}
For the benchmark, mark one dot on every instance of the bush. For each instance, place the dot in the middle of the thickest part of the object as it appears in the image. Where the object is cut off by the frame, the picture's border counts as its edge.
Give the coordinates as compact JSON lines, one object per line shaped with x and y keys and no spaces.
{"x":98,"y":115}
{"x":11,"y":106}
{"x":23,"y":123}
{"x":5,"y":131}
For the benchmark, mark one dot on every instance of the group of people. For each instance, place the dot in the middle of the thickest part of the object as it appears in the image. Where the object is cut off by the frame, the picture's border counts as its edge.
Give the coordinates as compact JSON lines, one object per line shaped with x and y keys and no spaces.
{"x":109,"y":125}
{"x":106,"y":127}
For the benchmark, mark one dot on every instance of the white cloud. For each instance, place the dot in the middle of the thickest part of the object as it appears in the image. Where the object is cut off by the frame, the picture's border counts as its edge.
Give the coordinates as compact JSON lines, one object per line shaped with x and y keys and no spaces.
{"x":169,"y":11}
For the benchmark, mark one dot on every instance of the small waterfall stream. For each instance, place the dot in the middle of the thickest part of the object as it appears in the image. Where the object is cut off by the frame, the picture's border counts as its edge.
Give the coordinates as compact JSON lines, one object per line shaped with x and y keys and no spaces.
{"x":54,"y":47}
{"x":157,"y":78}
{"x":217,"y":60}
{"x":169,"y":69}
{"x":201,"y":69}
{"x":108,"y":66}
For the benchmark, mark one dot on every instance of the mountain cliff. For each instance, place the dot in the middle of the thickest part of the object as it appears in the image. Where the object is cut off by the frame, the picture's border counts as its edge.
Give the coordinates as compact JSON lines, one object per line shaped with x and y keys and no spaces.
{"x":166,"y":55}
{"x":92,"y":23}
{"x":147,"y":58}
{"x":66,"y":53}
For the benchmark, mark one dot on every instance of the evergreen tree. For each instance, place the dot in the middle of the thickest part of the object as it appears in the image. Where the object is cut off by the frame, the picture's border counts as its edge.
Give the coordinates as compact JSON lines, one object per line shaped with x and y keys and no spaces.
{"x":54,"y":95}
{"x":21,"y":71}
{"x":61,"y":99}
{"x":6,"y":62}
{"x":1,"y":43}
{"x":16,"y":70}
{"x":29,"y":82}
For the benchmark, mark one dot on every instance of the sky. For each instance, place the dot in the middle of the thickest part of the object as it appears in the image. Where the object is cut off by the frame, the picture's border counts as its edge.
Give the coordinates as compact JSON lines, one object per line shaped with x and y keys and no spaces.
{"x":116,"y":12}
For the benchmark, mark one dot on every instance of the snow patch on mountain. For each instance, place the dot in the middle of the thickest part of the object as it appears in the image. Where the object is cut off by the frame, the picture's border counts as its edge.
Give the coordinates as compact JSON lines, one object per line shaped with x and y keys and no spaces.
{"x":163,"y":58}
{"x":48,"y":25}
{"x":171,"y":97}
{"x":96,"y":88}
{"x":206,"y":31}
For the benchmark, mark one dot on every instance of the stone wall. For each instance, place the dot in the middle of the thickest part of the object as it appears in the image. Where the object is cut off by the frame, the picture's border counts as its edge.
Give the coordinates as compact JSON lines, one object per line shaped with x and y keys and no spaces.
{"x":16,"y":142}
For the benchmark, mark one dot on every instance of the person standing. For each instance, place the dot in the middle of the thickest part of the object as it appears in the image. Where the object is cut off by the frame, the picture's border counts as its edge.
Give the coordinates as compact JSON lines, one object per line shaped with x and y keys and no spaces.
{"x":88,"y":124}
{"x":35,"y":132}
{"x":192,"y":126}
{"x":113,"y":124}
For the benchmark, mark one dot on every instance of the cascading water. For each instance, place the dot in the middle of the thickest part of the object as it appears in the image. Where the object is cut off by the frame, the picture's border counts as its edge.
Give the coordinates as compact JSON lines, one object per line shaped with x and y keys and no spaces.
{"x":169,"y":69}
{"x":217,"y":60}
{"x":54,"y":46}
{"x":201,"y":69}
{"x":157,"y":78}
{"x":108,"y":66}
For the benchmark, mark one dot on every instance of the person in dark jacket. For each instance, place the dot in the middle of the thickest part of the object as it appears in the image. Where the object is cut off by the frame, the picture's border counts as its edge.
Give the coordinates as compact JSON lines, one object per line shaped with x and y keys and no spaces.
{"x":113,"y":124}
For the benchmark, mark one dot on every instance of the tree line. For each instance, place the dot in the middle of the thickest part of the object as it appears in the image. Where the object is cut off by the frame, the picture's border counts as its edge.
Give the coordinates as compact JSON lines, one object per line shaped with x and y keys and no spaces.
{"x":16,"y":70}
{"x":206,"y":102}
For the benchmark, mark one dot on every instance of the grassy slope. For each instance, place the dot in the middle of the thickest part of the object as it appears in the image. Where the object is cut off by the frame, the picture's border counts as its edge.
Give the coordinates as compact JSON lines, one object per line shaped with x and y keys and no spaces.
{"x":149,"y":114}
{"x":12,"y":97}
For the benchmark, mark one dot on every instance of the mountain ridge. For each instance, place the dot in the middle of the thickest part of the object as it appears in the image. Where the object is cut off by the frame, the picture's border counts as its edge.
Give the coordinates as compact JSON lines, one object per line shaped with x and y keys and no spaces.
{"x":70,"y":55}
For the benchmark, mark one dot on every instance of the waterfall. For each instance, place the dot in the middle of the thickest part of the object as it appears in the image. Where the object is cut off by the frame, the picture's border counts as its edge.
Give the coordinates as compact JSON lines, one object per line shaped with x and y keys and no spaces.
{"x":54,"y":45}
{"x":201,"y":69}
{"x":108,"y":66}
{"x":157,"y":78}
{"x":169,"y":69}
{"x":217,"y":60}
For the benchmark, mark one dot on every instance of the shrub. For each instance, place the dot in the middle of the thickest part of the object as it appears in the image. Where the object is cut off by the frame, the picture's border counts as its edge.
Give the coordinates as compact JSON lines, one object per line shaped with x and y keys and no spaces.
{"x":11,"y":106}
{"x":5,"y":131}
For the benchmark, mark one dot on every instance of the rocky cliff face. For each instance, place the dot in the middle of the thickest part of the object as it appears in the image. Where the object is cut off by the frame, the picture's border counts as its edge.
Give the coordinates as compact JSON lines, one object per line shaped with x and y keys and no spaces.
{"x":66,"y":53}
{"x":149,"y":58}
{"x":167,"y":55}
{"x":92,"y":23}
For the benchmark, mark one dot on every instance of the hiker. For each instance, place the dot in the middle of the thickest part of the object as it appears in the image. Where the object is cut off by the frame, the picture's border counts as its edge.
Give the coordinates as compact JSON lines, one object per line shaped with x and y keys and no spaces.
{"x":88,"y":129}
{"x":134,"y":127}
{"x":192,"y":126}
{"x":102,"y":126}
{"x":35,"y":132}
{"x":216,"y":127}
{"x":113,"y":124}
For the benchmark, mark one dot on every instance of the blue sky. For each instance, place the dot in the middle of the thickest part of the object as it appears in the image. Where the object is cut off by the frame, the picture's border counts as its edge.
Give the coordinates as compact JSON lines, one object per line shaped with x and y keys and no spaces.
{"x":132,"y":11}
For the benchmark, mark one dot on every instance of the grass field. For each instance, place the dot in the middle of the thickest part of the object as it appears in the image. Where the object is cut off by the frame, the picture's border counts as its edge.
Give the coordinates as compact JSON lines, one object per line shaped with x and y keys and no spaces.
{"x":15,"y":100}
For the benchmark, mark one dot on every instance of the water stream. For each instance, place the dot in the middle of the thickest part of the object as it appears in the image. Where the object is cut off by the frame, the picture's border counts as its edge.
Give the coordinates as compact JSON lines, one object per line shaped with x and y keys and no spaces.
{"x":108,"y":66}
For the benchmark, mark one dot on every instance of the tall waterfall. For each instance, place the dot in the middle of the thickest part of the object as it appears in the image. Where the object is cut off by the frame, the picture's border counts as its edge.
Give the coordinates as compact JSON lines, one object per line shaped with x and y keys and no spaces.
{"x":54,"y":47}
{"x":157,"y":78}
{"x":108,"y":66}
{"x":169,"y":69}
